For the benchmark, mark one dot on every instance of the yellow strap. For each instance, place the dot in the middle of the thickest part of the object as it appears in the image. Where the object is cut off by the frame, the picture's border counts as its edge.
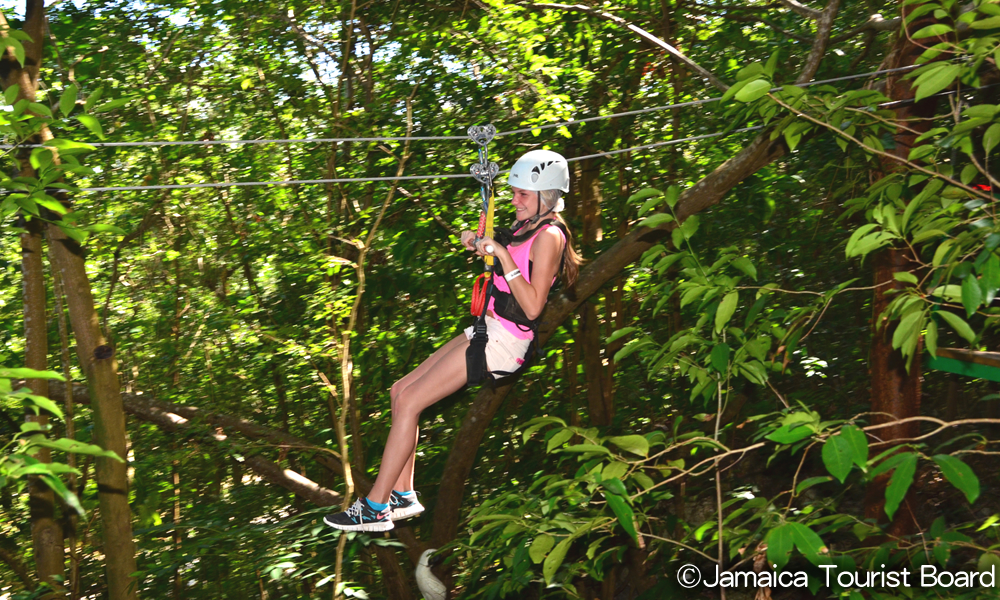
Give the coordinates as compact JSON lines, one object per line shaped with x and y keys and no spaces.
{"x":488,"y":229}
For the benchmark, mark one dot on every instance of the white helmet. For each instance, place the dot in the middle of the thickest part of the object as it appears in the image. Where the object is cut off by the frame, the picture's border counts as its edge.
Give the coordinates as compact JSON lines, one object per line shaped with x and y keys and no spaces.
{"x":540,"y":170}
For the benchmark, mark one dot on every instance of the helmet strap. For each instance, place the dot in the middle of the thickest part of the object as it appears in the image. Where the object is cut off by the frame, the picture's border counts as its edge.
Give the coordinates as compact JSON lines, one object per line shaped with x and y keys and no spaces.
{"x":538,"y":213}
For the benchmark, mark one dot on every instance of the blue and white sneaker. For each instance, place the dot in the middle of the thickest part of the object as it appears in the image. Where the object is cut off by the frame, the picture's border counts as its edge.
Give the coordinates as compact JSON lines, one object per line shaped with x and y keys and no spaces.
{"x":404,"y":506}
{"x":360,"y":517}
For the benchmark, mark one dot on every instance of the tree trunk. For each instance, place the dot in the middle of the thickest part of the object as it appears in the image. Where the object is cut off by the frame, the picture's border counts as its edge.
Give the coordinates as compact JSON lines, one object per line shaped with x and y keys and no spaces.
{"x":599,"y":403}
{"x":70,"y":518}
{"x":896,"y":393}
{"x":96,"y":357}
{"x":99,"y":366}
{"x":46,"y":533}
{"x":175,"y":472}
{"x":393,"y":577}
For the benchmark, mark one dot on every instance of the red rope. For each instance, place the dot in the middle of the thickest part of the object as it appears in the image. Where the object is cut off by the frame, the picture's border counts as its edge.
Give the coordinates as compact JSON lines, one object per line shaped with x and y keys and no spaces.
{"x":479,"y":293}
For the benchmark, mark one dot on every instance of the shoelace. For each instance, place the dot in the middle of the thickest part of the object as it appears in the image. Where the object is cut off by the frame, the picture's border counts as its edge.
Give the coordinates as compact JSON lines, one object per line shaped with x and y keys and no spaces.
{"x":355,"y":510}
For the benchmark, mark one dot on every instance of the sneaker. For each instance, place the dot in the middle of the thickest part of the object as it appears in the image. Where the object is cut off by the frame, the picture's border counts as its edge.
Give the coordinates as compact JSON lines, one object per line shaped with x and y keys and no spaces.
{"x":404,"y":507}
{"x":360,"y":517}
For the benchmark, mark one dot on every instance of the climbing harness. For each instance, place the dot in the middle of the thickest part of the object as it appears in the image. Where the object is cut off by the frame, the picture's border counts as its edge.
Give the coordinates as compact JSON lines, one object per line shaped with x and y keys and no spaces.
{"x":484,"y":172}
{"x":537,"y":170}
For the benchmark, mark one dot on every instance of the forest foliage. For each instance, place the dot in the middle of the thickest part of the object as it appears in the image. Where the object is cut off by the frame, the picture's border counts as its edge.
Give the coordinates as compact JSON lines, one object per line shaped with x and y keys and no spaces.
{"x":705,"y":395}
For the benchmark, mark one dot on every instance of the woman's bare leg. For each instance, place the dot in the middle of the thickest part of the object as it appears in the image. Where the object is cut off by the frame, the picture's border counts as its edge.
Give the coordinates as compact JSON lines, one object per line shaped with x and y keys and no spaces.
{"x":442,"y":377}
{"x":405,"y":480}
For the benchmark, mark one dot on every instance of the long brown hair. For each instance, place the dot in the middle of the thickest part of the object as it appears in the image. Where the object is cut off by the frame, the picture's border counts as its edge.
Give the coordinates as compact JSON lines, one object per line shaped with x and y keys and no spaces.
{"x":571,"y":260}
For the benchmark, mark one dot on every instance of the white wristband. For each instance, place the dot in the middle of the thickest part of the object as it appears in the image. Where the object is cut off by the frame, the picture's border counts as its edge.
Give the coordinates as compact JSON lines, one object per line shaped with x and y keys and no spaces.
{"x":512,"y":274}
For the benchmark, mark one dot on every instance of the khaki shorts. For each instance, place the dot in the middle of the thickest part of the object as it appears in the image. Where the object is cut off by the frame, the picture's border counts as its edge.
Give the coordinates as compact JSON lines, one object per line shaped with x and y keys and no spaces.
{"x":504,"y":352}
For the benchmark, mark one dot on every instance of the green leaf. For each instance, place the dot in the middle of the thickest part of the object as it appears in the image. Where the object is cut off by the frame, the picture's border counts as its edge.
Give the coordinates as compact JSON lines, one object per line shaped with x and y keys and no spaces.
{"x":91,"y":123}
{"x":808,"y":483}
{"x":18,"y":48}
{"x":656,"y":220}
{"x":555,"y":559}
{"x":753,"y":90}
{"x":673,"y":195}
{"x":988,"y":562}
{"x":958,"y":324}
{"x":838,"y":457}
{"x":92,"y":99}
{"x":990,"y":281}
{"x":905,"y":277}
{"x":856,"y":237}
{"x":67,"y":496}
{"x":940,"y":80}
{"x":809,"y":544}
{"x":969,"y":173}
{"x":779,"y":545}
{"x":636,"y":444}
{"x":558,"y":439}
{"x":972,"y":295}
{"x":617,"y":335}
{"x":624,"y":513}
{"x":65,"y":146}
{"x":615,"y":486}
{"x":858,"y":443}
{"x":540,"y":546}
{"x":991,"y":138}
{"x":933,"y":30}
{"x":587,"y":448}
{"x":990,"y":23}
{"x":726,"y":309}
{"x":720,"y":357}
{"x":772,"y":63}
{"x":690,"y":226}
{"x":112,"y":104}
{"x":931,"y":337}
{"x":46,"y":404}
{"x":743,"y":264}
{"x":73,"y":446}
{"x":68,"y":99}
{"x":29,"y":374}
{"x":941,"y":254}
{"x":644,"y":194}
{"x":899,"y":483}
{"x":791,"y":433}
{"x":959,"y":475}
{"x":10,"y":94}
{"x":906,"y":327}
{"x":750,"y":71}
{"x":40,"y":109}
{"x":74,"y":233}
{"x":104,"y":228}
{"x":631,"y":347}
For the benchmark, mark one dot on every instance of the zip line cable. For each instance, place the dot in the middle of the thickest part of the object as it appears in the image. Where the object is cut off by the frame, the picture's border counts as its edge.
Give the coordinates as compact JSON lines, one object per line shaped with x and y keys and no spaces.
{"x":154,"y":144}
{"x":459,"y":175}
{"x":463,"y":175}
{"x":190,"y":186}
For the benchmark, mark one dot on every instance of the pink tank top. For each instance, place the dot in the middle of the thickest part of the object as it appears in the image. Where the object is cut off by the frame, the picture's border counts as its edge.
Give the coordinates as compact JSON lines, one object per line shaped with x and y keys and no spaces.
{"x":522,"y":256}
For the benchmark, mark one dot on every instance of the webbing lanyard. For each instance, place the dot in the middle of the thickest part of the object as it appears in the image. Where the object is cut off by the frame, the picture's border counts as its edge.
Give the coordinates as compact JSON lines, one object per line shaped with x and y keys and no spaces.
{"x":483,"y":171}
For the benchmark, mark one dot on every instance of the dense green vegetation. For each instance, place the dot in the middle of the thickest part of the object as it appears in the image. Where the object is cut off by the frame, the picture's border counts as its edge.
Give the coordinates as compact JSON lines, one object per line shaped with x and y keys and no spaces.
{"x":738,"y":380}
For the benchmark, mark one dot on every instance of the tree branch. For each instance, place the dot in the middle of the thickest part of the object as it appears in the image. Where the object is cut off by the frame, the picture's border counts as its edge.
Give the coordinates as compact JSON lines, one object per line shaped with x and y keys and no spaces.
{"x":18,"y":567}
{"x":771,"y":24}
{"x":801,"y":9}
{"x":707,"y":192}
{"x":645,"y":35}
{"x":874,"y":23}
{"x":824,"y":25}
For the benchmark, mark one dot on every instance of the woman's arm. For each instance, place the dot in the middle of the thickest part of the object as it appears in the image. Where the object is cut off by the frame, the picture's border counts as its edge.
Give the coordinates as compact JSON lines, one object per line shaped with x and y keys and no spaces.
{"x":545,"y":254}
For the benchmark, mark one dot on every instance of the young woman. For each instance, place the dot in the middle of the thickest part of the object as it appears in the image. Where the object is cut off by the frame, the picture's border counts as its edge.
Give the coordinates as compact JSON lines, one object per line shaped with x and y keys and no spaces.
{"x":538,"y":250}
